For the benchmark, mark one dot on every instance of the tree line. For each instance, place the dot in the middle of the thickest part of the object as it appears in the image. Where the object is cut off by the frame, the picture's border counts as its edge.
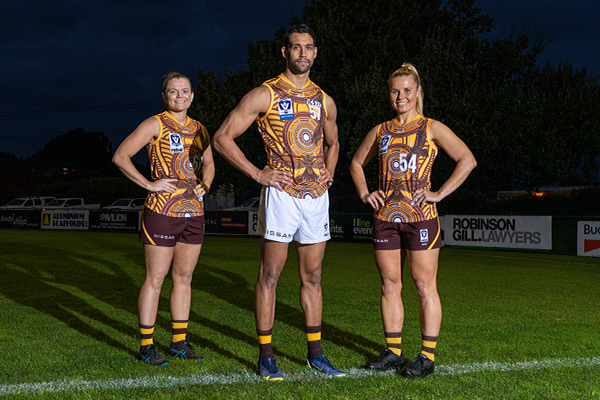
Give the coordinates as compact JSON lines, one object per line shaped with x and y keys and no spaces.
{"x":529,"y":123}
{"x":75,"y":164}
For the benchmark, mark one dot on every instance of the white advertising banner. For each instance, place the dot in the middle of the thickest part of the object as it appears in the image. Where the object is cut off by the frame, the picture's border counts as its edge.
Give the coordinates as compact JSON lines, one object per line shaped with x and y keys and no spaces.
{"x":66,"y":219}
{"x":517,"y":232}
{"x":588,"y":238}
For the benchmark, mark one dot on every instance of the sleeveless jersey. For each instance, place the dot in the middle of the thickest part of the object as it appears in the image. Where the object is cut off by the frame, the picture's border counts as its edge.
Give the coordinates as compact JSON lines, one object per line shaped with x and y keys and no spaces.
{"x":406,"y":155}
{"x":177,"y":154}
{"x":292,"y":132}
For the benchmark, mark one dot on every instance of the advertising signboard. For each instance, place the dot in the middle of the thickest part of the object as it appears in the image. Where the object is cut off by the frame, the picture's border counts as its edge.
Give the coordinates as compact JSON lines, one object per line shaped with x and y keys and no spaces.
{"x":123,"y":221}
{"x":351,"y":227}
{"x":232,"y":222}
{"x":498,"y":231}
{"x":66,"y":219}
{"x":588,"y":238}
{"x":28,"y":219}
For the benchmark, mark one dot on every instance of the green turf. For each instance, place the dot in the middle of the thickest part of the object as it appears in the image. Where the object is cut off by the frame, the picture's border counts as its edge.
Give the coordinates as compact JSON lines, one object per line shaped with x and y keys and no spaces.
{"x":516,"y":325}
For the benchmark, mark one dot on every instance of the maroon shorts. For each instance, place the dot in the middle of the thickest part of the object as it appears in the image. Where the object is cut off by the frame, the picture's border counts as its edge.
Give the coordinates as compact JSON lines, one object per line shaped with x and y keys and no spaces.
{"x":423,"y":235}
{"x":160,"y":230}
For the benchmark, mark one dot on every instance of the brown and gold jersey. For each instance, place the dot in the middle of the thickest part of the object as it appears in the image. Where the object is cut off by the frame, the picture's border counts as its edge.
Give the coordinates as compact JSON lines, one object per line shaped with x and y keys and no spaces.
{"x":177,"y":154}
{"x":292,"y":131}
{"x":406,"y":155}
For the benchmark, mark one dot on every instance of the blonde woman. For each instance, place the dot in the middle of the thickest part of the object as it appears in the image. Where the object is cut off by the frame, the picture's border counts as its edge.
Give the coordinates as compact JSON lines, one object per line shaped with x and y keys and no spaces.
{"x":406,"y":219}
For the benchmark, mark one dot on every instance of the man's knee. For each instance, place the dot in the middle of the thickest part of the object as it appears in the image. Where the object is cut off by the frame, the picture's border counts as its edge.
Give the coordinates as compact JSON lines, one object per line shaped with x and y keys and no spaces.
{"x":311,"y":277}
{"x":269,"y":275}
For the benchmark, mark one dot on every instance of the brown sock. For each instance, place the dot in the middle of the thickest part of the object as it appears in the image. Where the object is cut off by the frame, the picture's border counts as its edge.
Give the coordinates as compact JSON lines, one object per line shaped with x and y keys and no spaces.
{"x":264,"y":344}
{"x":313,"y":338}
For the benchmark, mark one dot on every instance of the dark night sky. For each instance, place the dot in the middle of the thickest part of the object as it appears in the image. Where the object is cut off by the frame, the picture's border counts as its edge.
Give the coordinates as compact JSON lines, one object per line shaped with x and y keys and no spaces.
{"x":98,"y":64}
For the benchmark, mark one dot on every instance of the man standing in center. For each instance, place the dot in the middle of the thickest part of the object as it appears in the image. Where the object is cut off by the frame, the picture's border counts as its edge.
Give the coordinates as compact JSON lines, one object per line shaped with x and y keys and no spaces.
{"x":296,"y":120}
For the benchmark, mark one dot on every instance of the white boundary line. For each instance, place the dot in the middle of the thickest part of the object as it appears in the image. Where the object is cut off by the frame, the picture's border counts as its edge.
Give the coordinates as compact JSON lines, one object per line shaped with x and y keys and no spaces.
{"x":209,"y":379}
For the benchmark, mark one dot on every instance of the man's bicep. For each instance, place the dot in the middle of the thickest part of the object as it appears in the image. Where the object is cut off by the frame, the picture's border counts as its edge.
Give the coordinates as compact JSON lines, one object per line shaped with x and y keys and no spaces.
{"x":253,"y":104}
{"x":330,"y":128}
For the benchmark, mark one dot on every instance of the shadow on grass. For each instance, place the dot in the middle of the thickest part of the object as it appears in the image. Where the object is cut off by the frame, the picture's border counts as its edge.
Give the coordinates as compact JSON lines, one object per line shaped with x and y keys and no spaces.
{"x":60,"y":283}
{"x":71,"y":286}
{"x":234,"y":290}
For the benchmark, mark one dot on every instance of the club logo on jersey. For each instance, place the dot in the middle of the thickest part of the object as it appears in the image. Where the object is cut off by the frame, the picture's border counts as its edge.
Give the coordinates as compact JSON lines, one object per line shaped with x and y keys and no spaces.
{"x":383,"y":144}
{"x":286,"y":111}
{"x":176,"y":143}
{"x":315,"y":109}
{"x":424,"y":236}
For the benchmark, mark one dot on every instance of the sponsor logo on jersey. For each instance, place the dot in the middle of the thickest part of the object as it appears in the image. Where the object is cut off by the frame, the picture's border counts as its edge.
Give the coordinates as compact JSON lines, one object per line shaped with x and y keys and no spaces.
{"x":383,"y":144}
{"x":286,"y":111}
{"x":315,"y":109}
{"x":424,"y":236}
{"x":312,"y":103}
{"x":175,"y":142}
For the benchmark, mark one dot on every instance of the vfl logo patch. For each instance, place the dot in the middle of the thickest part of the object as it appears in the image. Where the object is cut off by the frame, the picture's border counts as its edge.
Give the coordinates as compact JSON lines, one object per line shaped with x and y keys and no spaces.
{"x":286,"y":111}
{"x":383,"y":144}
{"x":424,"y":235}
{"x":175,"y":142}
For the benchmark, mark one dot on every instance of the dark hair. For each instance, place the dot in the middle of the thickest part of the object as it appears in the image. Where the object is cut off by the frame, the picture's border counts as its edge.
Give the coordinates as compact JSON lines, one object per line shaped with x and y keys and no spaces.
{"x":174,"y":75}
{"x":298,"y":28}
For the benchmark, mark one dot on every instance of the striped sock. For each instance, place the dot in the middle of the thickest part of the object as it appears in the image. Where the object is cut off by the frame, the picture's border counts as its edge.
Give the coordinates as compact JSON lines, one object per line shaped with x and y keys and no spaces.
{"x":264,"y":344}
{"x":146,"y":332}
{"x":179,"y":330}
{"x":394,"y":342}
{"x":428,"y":346}
{"x":313,"y":338}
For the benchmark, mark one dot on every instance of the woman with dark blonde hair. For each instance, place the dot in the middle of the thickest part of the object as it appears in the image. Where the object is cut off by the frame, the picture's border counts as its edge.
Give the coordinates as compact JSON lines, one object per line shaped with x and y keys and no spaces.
{"x":406,"y":220}
{"x":182,"y":168}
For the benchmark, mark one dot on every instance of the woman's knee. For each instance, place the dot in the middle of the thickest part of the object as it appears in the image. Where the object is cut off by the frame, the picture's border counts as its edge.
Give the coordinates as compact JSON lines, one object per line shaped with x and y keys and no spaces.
{"x":184,"y":278}
{"x":426,"y":288}
{"x":154,"y":282}
{"x":391,"y":285}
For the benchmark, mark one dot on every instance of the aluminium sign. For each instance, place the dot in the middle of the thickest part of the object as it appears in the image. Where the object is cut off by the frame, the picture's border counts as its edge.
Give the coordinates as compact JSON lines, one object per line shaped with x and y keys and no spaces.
{"x":66,"y":219}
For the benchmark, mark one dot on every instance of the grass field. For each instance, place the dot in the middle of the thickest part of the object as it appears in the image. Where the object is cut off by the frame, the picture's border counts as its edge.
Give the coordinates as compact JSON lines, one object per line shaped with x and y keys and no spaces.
{"x":516,"y":325}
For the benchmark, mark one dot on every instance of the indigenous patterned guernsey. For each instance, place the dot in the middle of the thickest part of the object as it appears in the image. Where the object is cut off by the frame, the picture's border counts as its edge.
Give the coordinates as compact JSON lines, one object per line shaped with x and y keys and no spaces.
{"x":292,"y":131}
{"x":177,"y":154}
{"x":406,"y":155}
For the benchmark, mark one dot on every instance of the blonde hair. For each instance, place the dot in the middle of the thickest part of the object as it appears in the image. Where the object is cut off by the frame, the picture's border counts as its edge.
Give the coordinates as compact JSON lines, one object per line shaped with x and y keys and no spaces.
{"x":174,"y":75}
{"x":409,"y":69}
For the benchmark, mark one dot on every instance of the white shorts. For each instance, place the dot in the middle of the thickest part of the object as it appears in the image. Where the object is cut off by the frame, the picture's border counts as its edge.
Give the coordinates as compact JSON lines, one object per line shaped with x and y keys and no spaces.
{"x":284,"y":218}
